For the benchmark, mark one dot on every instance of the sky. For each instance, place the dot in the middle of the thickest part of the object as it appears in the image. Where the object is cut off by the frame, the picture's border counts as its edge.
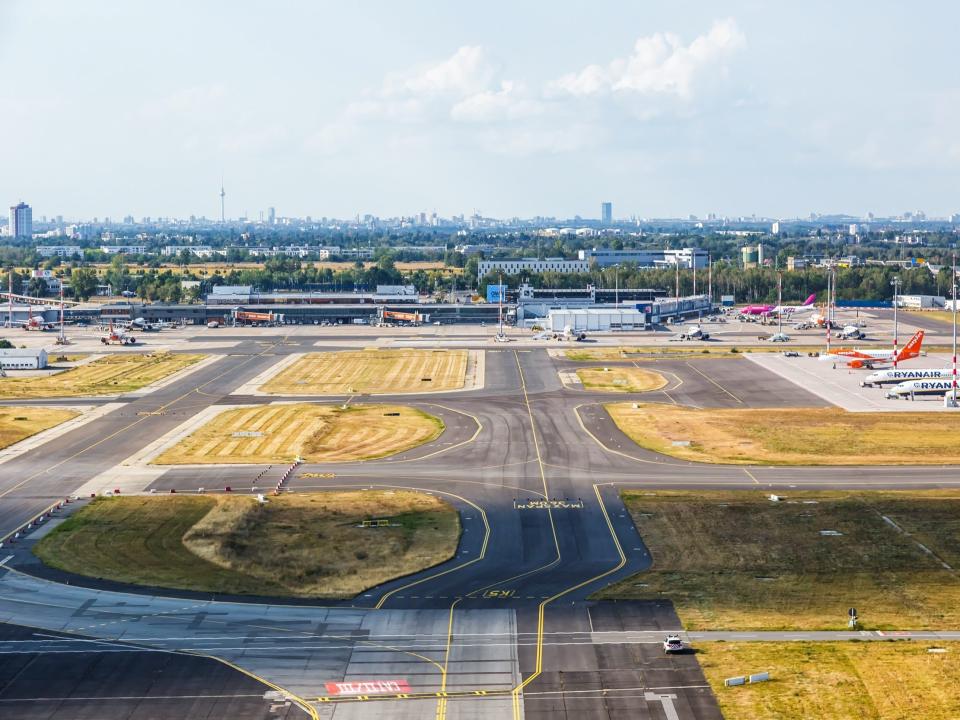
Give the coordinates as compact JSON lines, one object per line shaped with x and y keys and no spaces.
{"x":508,"y":108}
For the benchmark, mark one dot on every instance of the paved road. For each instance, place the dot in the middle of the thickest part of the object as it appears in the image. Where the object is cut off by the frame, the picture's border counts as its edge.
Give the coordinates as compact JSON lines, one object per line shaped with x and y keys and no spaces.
{"x":506,"y":628}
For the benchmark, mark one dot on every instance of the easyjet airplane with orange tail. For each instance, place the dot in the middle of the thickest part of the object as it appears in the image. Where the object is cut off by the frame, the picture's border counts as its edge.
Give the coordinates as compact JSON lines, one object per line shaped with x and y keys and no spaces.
{"x":856,"y":358}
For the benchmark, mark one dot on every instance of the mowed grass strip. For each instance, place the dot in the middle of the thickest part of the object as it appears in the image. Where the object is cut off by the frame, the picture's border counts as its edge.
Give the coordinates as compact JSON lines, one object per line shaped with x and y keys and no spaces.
{"x":835,"y":681}
{"x":317,"y":433}
{"x":621,"y":379}
{"x":791,"y":436}
{"x":371,"y":371}
{"x":117,"y":373}
{"x":673,"y":350}
{"x":299,"y":545}
{"x":592,"y":354}
{"x":17,"y":423}
{"x":736,"y":560}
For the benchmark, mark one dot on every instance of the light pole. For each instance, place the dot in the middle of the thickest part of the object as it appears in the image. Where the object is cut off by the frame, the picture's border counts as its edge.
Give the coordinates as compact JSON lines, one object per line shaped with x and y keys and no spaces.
{"x":779,"y":303}
{"x":896,"y":292}
{"x":953,"y":385}
{"x":616,"y":281}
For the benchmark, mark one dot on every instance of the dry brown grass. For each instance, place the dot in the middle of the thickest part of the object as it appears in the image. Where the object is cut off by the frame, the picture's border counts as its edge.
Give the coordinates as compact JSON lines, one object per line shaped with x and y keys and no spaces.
{"x":735,"y":560}
{"x":17,"y":423}
{"x":302,"y":545}
{"x":835,"y":681}
{"x":621,"y":379}
{"x":117,"y":373}
{"x":318,"y":433}
{"x":791,"y":436}
{"x":371,"y":371}
{"x":691,"y":351}
{"x":941,"y":315}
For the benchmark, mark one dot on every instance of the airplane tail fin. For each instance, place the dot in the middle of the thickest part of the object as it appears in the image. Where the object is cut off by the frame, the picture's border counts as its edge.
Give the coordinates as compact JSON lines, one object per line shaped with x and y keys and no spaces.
{"x":809,"y":300}
{"x":912,"y":348}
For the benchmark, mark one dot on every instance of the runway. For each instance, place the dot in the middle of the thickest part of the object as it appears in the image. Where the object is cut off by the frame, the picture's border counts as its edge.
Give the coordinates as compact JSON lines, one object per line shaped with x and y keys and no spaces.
{"x":507,"y":627}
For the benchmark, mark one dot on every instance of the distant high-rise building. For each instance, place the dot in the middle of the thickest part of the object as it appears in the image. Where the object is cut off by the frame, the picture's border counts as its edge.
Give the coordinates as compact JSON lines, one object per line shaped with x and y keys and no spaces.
{"x":21,"y":221}
{"x":271,"y":216}
{"x":606,"y":213}
{"x":775,"y":228}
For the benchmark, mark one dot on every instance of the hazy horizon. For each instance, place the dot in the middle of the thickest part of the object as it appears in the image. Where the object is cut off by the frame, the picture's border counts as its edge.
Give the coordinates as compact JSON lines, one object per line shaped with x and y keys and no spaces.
{"x":324,"y":110}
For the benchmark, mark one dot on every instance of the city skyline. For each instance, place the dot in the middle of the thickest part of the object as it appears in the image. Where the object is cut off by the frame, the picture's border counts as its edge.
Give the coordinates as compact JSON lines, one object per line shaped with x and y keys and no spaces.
{"x":661,"y":111}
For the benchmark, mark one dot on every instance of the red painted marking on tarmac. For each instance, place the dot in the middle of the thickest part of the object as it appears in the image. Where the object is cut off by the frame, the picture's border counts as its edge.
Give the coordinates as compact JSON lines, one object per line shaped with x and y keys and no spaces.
{"x":368,"y":687}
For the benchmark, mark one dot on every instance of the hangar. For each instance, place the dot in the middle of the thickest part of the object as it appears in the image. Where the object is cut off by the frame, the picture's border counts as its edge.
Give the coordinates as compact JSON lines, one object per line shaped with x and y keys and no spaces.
{"x":596,"y":319}
{"x":23,"y":359}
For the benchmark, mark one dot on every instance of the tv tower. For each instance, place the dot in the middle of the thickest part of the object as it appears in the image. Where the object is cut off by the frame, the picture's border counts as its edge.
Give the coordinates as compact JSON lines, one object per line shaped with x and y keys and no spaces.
{"x":223,"y":194}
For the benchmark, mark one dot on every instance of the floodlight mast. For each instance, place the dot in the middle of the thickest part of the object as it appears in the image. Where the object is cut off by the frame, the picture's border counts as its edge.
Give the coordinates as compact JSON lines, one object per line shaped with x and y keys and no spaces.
{"x":953,"y":385}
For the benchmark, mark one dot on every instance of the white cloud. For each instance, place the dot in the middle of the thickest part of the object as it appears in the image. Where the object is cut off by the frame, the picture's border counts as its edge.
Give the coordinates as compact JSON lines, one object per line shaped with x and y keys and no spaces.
{"x":523,"y":142}
{"x":193,"y":102}
{"x":332,"y":138}
{"x":466,"y":72}
{"x":659,"y":65}
{"x":250,"y":140}
{"x":465,"y":99}
{"x":510,"y":102}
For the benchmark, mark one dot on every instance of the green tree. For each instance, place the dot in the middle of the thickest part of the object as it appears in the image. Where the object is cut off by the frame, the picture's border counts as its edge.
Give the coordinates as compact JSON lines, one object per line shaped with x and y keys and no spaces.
{"x":37,"y":287}
{"x":83,"y":283}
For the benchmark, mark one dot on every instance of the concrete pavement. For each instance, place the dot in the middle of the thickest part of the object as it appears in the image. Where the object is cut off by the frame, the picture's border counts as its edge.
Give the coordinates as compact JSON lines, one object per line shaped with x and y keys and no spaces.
{"x":506,"y":628}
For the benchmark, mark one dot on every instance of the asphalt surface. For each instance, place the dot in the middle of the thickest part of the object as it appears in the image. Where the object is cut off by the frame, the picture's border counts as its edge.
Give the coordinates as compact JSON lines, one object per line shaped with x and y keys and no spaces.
{"x":46,"y":676}
{"x":505,"y":629}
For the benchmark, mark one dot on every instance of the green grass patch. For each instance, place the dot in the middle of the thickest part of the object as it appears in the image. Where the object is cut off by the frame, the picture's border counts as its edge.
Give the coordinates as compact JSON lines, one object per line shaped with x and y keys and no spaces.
{"x":302,"y":545}
{"x":835,"y":681}
{"x":736,"y":560}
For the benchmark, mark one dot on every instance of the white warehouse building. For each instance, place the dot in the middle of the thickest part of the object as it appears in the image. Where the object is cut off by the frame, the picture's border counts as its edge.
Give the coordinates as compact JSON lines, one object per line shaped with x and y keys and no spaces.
{"x":686,"y":258}
{"x":514,"y":266}
{"x":23,"y":359}
{"x":596,"y":319}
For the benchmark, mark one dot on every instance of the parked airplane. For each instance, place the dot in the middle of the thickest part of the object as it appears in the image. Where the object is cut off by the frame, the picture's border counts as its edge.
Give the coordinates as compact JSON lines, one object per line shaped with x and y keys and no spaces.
{"x":910,"y":388}
{"x":694,"y":332}
{"x":777,"y":309}
{"x":856,"y":358}
{"x":891,"y":376}
{"x":34,"y":323}
{"x":117,"y":336}
{"x":851,"y":332}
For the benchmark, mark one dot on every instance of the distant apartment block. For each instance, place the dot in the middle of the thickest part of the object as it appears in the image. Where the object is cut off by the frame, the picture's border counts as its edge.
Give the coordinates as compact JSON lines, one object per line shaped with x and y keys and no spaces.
{"x":198,"y":250}
{"x":471,"y":248}
{"x":20,"y":223}
{"x":515,"y":266}
{"x":59,"y":250}
{"x":125,"y":249}
{"x":687,"y":258}
{"x":606,"y":213}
